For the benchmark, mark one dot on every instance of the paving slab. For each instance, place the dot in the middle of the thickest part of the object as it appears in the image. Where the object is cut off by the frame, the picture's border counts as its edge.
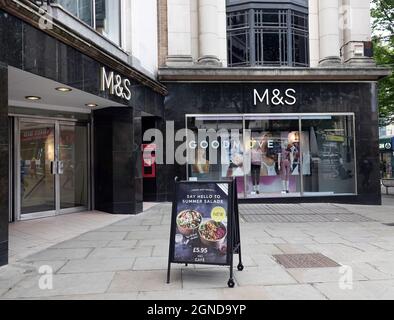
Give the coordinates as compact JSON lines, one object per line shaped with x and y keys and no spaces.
{"x":103,"y":235}
{"x":63,"y":285}
{"x":74,"y":244}
{"x":320,"y":275}
{"x":93,"y":265}
{"x":205,"y":278}
{"x":139,"y":281}
{"x":122,"y":244}
{"x":362,"y":290}
{"x":122,"y":252}
{"x":60,"y":254}
{"x":264,"y":276}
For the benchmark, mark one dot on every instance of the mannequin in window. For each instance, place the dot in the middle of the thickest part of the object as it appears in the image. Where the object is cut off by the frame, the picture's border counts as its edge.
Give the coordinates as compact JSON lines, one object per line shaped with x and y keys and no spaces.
{"x":257,"y":158}
{"x":285,"y":168}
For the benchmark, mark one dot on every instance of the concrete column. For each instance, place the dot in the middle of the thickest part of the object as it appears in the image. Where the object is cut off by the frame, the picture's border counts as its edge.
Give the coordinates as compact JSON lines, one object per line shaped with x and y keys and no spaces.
{"x":357,"y":32}
{"x":222,"y":32}
{"x":314,"y":42}
{"x":208,"y":32}
{"x":329,"y":32}
{"x":179,"y":33}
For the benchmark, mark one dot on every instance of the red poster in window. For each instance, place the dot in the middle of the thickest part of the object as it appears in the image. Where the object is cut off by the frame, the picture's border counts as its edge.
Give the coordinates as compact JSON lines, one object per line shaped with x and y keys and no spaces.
{"x":149,"y":160}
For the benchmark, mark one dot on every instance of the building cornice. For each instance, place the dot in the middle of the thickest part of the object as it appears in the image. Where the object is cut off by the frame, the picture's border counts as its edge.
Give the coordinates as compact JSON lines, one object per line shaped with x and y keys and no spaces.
{"x":28,"y":12}
{"x":350,"y":74}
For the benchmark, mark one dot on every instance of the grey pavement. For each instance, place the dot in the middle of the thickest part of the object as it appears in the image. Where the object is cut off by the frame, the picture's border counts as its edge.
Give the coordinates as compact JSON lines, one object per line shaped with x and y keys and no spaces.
{"x":128,"y":259}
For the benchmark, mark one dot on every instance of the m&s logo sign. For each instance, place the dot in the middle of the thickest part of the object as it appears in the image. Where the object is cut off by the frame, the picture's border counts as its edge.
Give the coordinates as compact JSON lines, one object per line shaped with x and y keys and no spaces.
{"x":115,"y":84}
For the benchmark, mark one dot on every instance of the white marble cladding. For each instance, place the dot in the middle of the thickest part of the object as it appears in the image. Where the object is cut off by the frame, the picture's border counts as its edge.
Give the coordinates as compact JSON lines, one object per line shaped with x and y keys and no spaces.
{"x":338,"y":30}
{"x":197,"y":32}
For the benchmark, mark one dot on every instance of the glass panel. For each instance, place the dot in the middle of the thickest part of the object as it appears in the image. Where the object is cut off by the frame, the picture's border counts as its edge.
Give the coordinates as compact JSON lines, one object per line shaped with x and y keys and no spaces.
{"x":387,"y":165}
{"x":82,"y":9}
{"x":273,"y":152}
{"x":73,"y":163}
{"x":328,"y":159}
{"x":85,"y":9}
{"x":237,"y":20}
{"x":300,"y":49}
{"x":216,"y":149}
{"x":108,"y":19}
{"x":238,"y":44}
{"x":37,"y":152}
{"x":271,"y":48}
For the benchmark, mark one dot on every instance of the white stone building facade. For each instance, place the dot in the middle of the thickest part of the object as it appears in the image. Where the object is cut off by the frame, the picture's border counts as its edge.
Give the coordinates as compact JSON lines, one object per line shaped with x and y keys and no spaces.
{"x":339,"y":32}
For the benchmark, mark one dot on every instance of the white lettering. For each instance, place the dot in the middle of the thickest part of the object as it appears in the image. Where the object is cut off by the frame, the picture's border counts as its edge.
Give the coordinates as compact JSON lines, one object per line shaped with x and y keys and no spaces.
{"x":293,"y":100}
{"x":261,"y":99}
{"x":276,"y":97}
{"x":115,"y":84}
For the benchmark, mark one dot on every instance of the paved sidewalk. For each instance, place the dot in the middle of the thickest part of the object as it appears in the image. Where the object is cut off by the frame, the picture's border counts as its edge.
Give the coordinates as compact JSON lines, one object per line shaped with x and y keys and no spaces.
{"x":128,"y":260}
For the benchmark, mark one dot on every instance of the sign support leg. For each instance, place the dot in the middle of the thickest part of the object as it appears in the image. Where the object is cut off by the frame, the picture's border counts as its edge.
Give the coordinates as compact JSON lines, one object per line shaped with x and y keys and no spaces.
{"x":169,"y":273}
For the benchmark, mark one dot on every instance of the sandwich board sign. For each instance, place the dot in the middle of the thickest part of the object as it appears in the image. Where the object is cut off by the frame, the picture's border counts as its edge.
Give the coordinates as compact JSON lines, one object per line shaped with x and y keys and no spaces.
{"x":205,"y":225}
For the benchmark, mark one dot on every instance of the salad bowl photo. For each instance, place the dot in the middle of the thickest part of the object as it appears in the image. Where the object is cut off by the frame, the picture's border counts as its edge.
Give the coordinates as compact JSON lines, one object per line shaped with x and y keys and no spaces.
{"x":212,"y":233}
{"x":188,"y":222}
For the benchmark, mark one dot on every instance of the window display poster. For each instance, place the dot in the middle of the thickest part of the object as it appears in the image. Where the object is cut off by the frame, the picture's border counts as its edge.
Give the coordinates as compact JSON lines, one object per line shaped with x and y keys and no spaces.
{"x":200,"y":223}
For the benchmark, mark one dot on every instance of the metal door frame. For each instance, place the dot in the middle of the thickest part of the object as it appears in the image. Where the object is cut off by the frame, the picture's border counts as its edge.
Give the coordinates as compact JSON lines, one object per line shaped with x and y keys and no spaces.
{"x":56,"y":122}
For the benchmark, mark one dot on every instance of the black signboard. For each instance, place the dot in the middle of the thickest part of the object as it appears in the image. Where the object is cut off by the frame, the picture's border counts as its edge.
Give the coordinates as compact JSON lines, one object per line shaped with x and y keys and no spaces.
{"x":205,"y":225}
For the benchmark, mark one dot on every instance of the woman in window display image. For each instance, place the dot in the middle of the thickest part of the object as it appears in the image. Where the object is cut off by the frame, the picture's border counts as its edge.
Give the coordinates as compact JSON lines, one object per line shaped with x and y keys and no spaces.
{"x":269,"y":158}
{"x":285,"y":167}
{"x":236,"y":168}
{"x":256,"y":162}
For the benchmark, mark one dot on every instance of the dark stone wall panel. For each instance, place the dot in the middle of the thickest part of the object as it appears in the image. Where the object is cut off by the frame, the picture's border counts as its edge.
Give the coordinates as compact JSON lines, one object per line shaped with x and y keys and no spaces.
{"x":227,"y":98}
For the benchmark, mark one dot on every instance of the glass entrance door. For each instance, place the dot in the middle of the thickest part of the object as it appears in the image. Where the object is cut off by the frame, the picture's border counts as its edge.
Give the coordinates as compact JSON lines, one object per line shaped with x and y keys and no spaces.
{"x":37,"y":159}
{"x":52,"y":168}
{"x":73,"y":160}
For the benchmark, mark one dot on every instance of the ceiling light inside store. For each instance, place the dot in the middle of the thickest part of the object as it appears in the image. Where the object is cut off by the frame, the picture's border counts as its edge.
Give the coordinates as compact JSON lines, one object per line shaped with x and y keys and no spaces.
{"x":64,"y":89}
{"x":33,"y":98}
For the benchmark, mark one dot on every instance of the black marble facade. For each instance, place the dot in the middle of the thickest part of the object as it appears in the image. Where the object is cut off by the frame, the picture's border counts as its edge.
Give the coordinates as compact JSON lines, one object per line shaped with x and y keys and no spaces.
{"x":29,"y":49}
{"x":231,"y":98}
{"x":117,"y":180}
{"x":4,"y":165}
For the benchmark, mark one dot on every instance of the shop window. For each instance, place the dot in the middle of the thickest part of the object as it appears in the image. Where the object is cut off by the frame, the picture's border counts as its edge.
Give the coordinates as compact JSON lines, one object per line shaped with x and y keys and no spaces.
{"x":270,"y":38}
{"x":275,"y":156}
{"x":82,"y":9}
{"x":103,"y":15}
{"x":108,"y":19}
{"x":330,"y":156}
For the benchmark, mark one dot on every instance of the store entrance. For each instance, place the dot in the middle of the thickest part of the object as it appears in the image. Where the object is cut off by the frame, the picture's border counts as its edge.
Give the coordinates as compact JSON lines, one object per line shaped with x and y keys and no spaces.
{"x":51,"y":165}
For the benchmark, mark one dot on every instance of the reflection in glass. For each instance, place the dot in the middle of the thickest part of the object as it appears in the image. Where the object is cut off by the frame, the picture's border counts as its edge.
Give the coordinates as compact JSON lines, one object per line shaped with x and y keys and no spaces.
{"x":82,"y":9}
{"x":73,"y":161}
{"x":275,"y":156}
{"x":37,"y":153}
{"x":216,"y":149}
{"x":108,"y":19}
{"x":331,"y":155}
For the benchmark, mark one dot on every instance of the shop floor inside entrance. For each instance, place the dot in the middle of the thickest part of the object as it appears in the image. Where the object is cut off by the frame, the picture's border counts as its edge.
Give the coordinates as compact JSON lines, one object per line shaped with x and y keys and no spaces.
{"x":298,"y":213}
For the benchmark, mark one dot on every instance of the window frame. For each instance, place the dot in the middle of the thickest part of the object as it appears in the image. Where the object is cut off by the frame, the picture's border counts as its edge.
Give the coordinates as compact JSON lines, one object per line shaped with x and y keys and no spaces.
{"x":286,"y":28}
{"x":93,"y":26}
{"x":283,"y":116}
